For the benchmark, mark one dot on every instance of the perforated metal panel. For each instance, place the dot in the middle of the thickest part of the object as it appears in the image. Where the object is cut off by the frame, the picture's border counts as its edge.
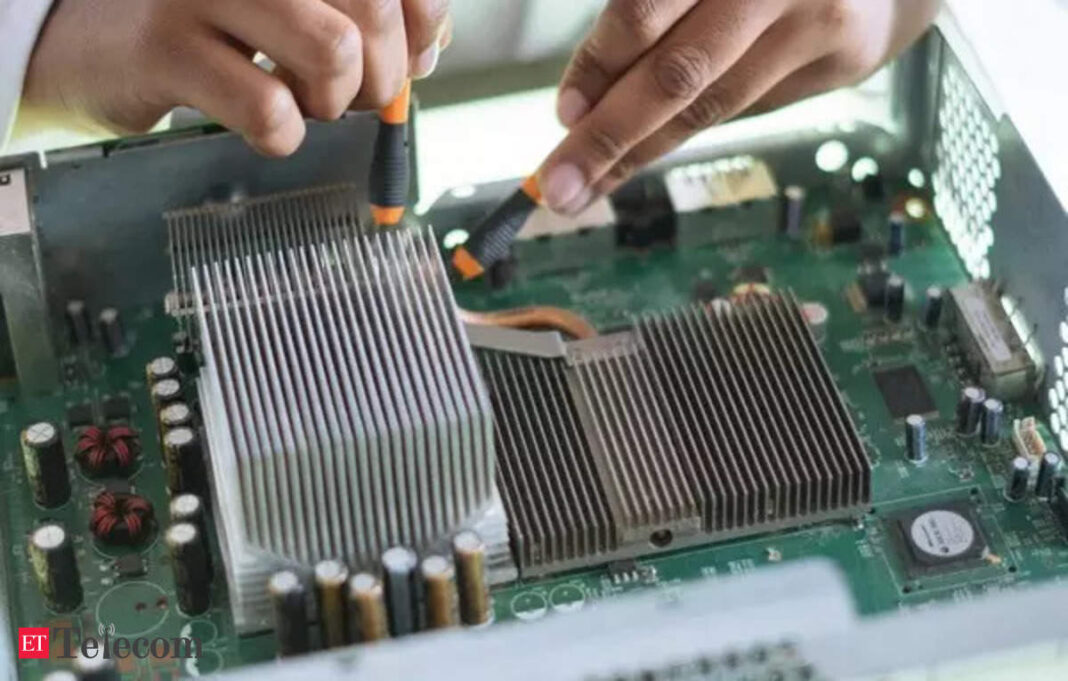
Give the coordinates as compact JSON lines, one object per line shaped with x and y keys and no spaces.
{"x":967,"y":170}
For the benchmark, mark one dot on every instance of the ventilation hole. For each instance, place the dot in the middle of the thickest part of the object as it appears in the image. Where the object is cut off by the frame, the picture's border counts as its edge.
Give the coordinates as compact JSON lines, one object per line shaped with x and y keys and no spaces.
{"x":864,"y":167}
{"x":832,"y":156}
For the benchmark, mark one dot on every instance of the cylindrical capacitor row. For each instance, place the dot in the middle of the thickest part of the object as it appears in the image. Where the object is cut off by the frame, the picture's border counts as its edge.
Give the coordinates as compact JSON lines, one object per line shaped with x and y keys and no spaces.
{"x":183,"y":454}
{"x":1047,"y":480}
{"x":190,"y":553}
{"x":411,"y":595}
{"x":979,"y":414}
{"x":108,"y":324}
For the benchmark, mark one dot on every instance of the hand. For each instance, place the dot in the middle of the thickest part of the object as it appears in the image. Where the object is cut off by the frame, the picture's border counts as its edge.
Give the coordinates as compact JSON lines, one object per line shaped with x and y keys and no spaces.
{"x":122,"y":65}
{"x":654,"y":72}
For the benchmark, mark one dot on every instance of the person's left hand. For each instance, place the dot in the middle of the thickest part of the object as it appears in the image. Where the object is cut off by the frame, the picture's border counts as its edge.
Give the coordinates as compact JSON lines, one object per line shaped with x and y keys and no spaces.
{"x":654,"y":72}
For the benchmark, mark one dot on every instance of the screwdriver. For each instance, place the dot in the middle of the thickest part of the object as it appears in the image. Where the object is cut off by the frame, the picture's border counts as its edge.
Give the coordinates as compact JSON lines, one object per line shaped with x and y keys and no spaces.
{"x":492,"y":239}
{"x":390,"y":172}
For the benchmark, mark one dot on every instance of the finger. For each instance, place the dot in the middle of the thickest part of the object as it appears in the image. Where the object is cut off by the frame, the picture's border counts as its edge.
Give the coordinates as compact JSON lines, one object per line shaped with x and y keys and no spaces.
{"x":822,"y":75}
{"x":219,"y":81}
{"x":424,"y":21}
{"x":625,"y":30}
{"x":663,"y":82}
{"x":771,"y":60}
{"x":314,"y":42}
{"x":385,"y":49}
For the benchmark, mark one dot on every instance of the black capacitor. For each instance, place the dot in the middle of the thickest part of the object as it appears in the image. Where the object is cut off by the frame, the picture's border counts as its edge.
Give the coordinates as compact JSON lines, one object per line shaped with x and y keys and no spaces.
{"x":990,"y":428}
{"x":896,"y":242}
{"x":932,"y":306}
{"x":161,"y":368}
{"x":111,"y":331}
{"x":166,"y":391}
{"x":1048,"y":468}
{"x":401,"y":583}
{"x":184,"y":459}
{"x":793,"y":211}
{"x":81,"y":332}
{"x":916,"y":438}
{"x":289,"y":601}
{"x":175,"y":415}
{"x":55,"y":568}
{"x":895,"y":298}
{"x":188,"y":508}
{"x":97,"y":668}
{"x":969,"y":409}
{"x":1019,"y":472}
{"x":46,"y":464}
{"x":192,"y":573}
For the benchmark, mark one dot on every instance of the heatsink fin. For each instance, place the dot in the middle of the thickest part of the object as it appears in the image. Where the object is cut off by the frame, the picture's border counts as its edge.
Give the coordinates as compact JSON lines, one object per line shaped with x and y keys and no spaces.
{"x":697,"y":425}
{"x":346,"y":411}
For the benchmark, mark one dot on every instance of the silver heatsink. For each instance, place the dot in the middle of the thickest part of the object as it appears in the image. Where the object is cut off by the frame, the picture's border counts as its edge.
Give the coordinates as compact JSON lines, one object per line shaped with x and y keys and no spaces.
{"x":696,"y":425}
{"x":343,"y":407}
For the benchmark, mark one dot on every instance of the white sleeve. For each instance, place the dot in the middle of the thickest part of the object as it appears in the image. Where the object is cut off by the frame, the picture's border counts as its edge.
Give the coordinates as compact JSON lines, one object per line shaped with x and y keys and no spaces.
{"x":20,"y":22}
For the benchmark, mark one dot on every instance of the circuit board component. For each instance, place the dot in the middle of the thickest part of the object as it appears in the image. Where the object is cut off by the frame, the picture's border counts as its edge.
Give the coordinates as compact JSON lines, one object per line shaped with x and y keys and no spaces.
{"x":648,"y":439}
{"x":994,"y":349}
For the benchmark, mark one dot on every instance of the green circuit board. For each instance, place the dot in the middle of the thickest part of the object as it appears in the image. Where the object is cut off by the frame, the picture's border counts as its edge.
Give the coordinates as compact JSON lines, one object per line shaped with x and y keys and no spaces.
{"x":1026,"y":542}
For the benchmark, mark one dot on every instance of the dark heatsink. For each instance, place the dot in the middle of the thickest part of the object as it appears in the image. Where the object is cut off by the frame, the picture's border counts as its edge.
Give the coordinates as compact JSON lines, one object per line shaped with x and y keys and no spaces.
{"x":556,"y":510}
{"x":698,"y":425}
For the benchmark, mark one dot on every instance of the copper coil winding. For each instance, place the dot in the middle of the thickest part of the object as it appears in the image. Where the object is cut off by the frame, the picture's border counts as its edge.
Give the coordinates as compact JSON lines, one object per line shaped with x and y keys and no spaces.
{"x":105,"y":450}
{"x":118,"y":518}
{"x":534,"y":317}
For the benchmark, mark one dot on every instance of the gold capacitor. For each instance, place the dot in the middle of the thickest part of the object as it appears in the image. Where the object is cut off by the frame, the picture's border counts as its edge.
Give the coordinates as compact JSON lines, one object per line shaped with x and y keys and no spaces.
{"x":367,"y":609}
{"x":330,"y":579}
{"x":469,"y":555}
{"x":439,"y":592}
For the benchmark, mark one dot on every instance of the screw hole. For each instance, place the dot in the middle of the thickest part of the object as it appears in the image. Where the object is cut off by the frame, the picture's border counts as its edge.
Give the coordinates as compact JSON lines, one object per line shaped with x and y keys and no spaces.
{"x":661,"y":538}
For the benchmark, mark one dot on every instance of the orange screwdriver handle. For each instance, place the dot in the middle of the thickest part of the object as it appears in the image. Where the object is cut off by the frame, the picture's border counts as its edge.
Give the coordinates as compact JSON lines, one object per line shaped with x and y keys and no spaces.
{"x":390,"y":180}
{"x":492,"y":239}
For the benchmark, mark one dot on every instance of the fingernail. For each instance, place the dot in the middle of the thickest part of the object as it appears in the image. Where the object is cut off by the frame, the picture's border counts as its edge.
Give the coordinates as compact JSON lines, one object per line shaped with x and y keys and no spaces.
{"x":571,"y":106}
{"x":562,"y":185}
{"x":445,"y":34}
{"x":578,"y":204}
{"x":426,"y":62}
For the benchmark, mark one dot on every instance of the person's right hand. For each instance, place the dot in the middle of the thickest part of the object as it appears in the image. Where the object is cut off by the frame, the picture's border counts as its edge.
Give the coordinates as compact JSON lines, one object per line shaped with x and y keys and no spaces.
{"x":123,"y":64}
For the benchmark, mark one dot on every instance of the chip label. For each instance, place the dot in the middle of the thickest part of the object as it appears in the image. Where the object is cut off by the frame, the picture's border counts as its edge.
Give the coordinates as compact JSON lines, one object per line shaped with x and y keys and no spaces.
{"x":942,"y":534}
{"x":985,"y":328}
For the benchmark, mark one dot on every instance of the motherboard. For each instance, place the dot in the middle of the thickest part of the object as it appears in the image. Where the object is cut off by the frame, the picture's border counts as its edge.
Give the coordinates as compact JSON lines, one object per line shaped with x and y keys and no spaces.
{"x":709,"y":374}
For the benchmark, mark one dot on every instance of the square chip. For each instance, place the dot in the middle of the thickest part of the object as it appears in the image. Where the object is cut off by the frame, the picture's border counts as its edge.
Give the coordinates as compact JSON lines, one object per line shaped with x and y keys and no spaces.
{"x":116,"y":408}
{"x":904,"y":391}
{"x":129,"y":565}
{"x":80,"y":415}
{"x":940,"y":538}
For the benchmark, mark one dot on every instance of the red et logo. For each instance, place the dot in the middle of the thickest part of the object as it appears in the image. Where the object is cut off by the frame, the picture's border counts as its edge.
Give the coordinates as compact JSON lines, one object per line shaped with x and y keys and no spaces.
{"x":33,"y":642}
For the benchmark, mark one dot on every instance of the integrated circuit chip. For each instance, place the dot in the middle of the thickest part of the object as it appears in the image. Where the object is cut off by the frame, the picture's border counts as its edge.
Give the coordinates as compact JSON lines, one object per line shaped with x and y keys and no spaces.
{"x":129,"y":565}
{"x":116,"y":408}
{"x":940,"y":538}
{"x":904,"y":391}
{"x":80,"y":415}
